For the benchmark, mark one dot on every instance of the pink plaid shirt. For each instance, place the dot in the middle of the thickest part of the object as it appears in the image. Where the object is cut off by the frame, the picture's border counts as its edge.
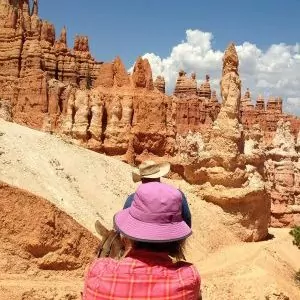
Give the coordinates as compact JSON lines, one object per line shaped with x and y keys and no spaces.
{"x":141,"y":275}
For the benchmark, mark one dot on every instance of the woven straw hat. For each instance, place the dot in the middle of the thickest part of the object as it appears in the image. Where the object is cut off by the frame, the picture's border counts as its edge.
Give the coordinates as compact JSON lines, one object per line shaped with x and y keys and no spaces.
{"x":150,"y":169}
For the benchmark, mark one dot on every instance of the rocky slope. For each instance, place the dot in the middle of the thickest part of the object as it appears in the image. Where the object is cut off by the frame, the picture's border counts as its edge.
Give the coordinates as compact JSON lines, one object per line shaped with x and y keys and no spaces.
{"x":65,"y":174}
{"x":43,"y":251}
{"x":38,"y":257}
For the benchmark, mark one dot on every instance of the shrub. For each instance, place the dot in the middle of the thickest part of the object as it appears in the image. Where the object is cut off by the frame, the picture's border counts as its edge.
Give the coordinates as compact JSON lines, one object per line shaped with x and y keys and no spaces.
{"x":295,"y":232}
{"x":297,"y":277}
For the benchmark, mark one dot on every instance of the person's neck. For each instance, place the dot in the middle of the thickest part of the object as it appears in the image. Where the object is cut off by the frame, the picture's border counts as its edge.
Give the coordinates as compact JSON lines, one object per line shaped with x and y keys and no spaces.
{"x":147,"y":180}
{"x":148,"y":253}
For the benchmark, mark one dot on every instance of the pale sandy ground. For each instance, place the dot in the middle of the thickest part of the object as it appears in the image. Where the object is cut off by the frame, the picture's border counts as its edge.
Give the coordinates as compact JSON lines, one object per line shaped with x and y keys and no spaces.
{"x":88,"y":186}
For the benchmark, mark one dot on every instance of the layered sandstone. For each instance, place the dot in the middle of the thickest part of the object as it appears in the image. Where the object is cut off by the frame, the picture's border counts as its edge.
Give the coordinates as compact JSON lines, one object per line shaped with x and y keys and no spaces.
{"x":185,"y":86}
{"x":283,"y":177}
{"x":30,"y":56}
{"x":266,"y":113}
{"x":196,"y":108}
{"x":160,"y":84}
{"x":142,"y":74}
{"x":123,"y":115}
{"x":219,"y":166}
{"x":204,"y":90}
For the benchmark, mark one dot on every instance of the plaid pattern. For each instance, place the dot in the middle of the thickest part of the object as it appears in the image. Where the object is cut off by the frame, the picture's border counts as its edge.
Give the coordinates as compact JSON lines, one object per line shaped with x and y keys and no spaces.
{"x":141,"y":275}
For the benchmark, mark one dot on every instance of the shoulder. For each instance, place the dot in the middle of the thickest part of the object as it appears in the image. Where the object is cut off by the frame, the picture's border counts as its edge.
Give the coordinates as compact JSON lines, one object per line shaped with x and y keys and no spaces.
{"x":101,"y":266}
{"x":188,"y":269}
{"x":189,"y":272}
{"x":189,"y":277}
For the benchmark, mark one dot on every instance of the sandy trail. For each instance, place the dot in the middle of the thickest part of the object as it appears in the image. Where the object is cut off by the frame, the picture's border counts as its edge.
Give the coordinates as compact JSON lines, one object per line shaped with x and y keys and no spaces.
{"x":32,"y":289}
{"x":86,"y":184}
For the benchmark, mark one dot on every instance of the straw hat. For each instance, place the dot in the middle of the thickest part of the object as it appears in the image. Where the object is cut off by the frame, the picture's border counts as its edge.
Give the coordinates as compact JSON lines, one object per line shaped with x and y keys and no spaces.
{"x":150,"y":169}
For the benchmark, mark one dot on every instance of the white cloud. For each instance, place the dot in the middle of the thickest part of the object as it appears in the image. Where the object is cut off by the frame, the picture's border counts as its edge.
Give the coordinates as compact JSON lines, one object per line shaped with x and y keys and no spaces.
{"x":275,"y":71}
{"x":292,"y":105}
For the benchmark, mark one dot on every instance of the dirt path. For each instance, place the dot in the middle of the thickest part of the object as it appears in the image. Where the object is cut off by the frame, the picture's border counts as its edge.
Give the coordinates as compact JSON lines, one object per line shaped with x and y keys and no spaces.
{"x":252,"y":271}
{"x":32,"y":289}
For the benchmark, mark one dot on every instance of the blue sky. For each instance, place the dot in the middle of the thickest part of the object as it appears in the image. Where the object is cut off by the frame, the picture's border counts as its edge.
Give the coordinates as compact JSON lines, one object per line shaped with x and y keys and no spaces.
{"x":266,"y":33}
{"x":134,"y":27}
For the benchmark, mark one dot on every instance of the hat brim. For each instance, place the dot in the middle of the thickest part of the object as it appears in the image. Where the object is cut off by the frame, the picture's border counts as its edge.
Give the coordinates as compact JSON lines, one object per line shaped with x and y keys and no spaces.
{"x":164,"y":169}
{"x":150,"y":232}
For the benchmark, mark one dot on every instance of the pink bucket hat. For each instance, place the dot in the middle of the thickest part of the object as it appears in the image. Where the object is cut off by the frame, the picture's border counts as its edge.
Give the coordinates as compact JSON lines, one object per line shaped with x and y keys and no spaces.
{"x":154,"y":216}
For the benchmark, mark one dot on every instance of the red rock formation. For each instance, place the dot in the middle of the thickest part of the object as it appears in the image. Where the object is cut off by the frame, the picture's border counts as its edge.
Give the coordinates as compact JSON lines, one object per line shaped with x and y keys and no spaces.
{"x":122,"y":111}
{"x":160,"y":84}
{"x":81,"y":44}
{"x":267,"y":117}
{"x":106,"y":75}
{"x":204,"y":90}
{"x":194,"y":114}
{"x":195,"y":109}
{"x":246,"y":103}
{"x":119,"y":112}
{"x":220,"y":167}
{"x":112,"y":74}
{"x":142,"y":74}
{"x":275,"y":105}
{"x":84,"y":62}
{"x":30,"y":57}
{"x":213,"y":106}
{"x":121,"y":77}
{"x":282,"y":174}
{"x":185,"y":87}
{"x":61,"y":43}
{"x":260,"y":103}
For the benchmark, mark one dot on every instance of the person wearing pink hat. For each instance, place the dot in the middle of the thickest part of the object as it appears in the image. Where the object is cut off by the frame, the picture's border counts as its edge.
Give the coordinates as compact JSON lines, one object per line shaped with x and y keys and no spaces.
{"x":154,"y":226}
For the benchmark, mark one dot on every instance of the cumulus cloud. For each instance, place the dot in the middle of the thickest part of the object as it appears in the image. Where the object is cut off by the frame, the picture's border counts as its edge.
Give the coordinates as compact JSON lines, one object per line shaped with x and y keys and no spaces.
{"x":292,"y":105}
{"x":275,"y":71}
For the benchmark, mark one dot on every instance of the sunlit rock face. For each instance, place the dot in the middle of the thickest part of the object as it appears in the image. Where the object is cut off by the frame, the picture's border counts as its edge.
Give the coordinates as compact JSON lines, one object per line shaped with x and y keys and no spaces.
{"x":196,"y":107}
{"x":160,"y":84}
{"x":283,"y":177}
{"x":224,"y":173}
{"x":30,"y":56}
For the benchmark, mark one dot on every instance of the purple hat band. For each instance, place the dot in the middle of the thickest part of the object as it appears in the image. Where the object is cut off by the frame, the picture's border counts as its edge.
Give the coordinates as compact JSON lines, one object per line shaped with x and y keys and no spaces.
{"x":155,"y":215}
